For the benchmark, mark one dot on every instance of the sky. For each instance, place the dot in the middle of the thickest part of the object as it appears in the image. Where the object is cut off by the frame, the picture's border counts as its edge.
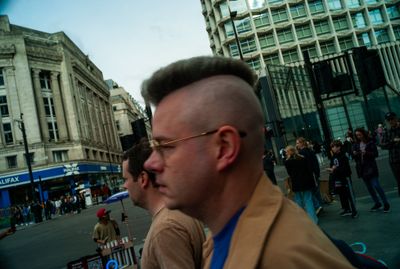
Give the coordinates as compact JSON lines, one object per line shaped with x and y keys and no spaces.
{"x":126,"y":39}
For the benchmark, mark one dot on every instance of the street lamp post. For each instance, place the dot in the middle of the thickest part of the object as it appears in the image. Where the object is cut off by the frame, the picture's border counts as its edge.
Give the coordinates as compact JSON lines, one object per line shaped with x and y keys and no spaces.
{"x":232,"y":15}
{"x":108,"y":150}
{"x":27,"y":156}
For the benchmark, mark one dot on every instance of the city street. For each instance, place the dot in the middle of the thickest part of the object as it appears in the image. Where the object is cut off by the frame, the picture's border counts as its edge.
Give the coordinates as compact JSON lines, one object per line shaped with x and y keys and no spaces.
{"x":52,"y":244}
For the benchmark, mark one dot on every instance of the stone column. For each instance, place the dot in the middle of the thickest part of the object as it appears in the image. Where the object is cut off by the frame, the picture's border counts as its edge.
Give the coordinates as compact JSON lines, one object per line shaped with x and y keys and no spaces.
{"x":58,"y":107}
{"x":40,"y":106}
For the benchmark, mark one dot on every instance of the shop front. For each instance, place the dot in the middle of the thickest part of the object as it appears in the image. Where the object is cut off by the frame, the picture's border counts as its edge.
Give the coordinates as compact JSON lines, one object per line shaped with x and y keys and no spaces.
{"x":52,"y":182}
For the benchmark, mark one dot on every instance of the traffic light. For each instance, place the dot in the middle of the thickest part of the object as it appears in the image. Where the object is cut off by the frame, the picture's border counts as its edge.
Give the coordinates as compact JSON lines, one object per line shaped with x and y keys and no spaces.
{"x":139,"y":130}
{"x":281,"y":127}
{"x":369,"y":69}
{"x":324,"y":77}
{"x":327,"y":81}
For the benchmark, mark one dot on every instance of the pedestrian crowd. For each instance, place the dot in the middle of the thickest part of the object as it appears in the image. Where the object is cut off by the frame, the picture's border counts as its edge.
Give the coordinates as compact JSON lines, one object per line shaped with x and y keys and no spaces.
{"x":34,"y":212}
{"x":360,"y":146}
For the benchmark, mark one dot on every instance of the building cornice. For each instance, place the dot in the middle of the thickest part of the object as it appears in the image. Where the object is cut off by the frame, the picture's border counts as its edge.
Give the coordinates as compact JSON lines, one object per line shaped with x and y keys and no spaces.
{"x":7,"y":51}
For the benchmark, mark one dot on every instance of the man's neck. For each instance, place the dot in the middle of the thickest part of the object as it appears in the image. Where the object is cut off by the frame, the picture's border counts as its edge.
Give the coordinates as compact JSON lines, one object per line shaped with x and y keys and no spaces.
{"x":155,"y":205}
{"x":234,"y":197}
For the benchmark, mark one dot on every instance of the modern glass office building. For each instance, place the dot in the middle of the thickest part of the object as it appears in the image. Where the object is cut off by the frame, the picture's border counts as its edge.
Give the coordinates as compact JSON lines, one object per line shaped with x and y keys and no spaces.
{"x":276,"y":32}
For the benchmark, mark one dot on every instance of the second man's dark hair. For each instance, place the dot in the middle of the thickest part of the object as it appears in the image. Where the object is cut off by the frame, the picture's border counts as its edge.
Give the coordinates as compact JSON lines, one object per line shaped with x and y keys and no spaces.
{"x":137,"y":156}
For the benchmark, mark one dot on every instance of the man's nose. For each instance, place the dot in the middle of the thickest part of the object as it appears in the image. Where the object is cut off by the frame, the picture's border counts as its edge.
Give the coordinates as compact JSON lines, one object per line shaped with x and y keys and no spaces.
{"x":154,"y":162}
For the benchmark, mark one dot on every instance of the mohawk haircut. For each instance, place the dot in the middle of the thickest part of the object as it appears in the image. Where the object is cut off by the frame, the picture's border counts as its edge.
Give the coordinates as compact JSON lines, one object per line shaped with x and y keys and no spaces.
{"x":184,"y":72}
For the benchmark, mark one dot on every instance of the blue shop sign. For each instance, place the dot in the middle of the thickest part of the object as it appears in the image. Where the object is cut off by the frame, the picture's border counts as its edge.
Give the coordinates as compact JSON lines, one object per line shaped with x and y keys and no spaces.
{"x":68,"y":169}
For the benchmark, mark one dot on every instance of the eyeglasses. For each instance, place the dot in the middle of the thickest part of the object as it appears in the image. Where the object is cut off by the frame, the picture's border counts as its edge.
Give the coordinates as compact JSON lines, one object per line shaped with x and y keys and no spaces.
{"x":158,"y":145}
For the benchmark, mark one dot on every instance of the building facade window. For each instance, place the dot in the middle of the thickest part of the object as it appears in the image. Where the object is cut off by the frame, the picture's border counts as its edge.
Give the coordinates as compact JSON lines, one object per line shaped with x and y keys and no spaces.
{"x":53,"y":130}
{"x":228,"y":29}
{"x":312,"y":51}
{"x":290,"y":56}
{"x":254,"y":4}
{"x":346,"y":43}
{"x":298,"y":11}
{"x":12,"y":161}
{"x":322,"y":27}
{"x":8,"y":135}
{"x":393,"y":12}
{"x":48,"y":106}
{"x":233,"y":49}
{"x":4,"y":106}
{"x":254,"y":64}
{"x":279,"y":15}
{"x":266,"y":41}
{"x":248,"y":45}
{"x":272,"y":59}
{"x":382,"y":36}
{"x":44,"y":78}
{"x":334,"y":4}
{"x":371,"y":1}
{"x":303,"y":31}
{"x":327,"y":47}
{"x":242,"y":25}
{"x":340,"y":24}
{"x":1,"y":78}
{"x":94,"y":152}
{"x":396,"y":31}
{"x":352,"y":3}
{"x":237,"y":5}
{"x":261,"y":20}
{"x":364,"y":39}
{"x":285,"y":36}
{"x":375,"y":16}
{"x":316,"y":7}
{"x":60,"y":155}
{"x":358,"y":20}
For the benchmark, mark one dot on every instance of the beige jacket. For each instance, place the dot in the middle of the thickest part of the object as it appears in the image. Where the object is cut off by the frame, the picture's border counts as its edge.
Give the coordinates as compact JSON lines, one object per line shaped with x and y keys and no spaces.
{"x":273,"y":232}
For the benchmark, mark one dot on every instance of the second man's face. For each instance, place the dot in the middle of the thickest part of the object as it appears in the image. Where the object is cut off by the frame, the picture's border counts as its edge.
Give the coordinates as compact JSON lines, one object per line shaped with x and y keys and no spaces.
{"x":131,"y":184}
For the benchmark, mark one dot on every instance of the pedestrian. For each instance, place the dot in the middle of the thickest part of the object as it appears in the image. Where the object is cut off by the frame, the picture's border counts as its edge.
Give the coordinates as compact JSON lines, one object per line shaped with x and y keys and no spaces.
{"x":106,"y":229}
{"x":365,"y":152}
{"x":318,"y":152}
{"x":340,"y":172}
{"x":379,"y":133}
{"x":313,"y":165}
{"x":174,"y":239}
{"x":347,"y":147}
{"x":391,"y":141}
{"x":269,"y":164}
{"x":302,"y":181}
{"x":207,"y":146}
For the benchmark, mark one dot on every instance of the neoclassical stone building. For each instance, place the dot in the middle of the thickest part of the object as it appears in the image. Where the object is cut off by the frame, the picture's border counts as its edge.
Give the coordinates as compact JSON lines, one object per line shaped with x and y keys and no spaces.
{"x":67,"y":112}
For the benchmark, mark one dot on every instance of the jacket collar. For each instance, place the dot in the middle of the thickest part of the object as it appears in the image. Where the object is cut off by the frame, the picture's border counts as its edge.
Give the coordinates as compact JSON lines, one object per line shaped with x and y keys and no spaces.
{"x":253,"y":227}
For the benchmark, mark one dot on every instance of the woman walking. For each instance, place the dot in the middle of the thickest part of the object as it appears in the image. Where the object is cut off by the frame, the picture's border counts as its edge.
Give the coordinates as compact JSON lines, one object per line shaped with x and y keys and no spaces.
{"x":365,"y":153}
{"x":340,"y":172}
{"x":302,"y":181}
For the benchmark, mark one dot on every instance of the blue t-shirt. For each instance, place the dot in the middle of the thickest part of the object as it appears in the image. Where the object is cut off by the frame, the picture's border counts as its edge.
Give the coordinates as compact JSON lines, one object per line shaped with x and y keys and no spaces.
{"x":222,"y":241}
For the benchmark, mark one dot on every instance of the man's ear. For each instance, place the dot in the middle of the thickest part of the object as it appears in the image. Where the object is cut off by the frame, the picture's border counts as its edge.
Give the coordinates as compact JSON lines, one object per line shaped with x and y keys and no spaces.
{"x":143,"y":179}
{"x":228,"y":146}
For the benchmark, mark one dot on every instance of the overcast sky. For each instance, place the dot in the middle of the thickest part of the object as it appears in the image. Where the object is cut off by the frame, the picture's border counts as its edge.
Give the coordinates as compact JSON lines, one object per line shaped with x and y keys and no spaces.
{"x":126,"y":39}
